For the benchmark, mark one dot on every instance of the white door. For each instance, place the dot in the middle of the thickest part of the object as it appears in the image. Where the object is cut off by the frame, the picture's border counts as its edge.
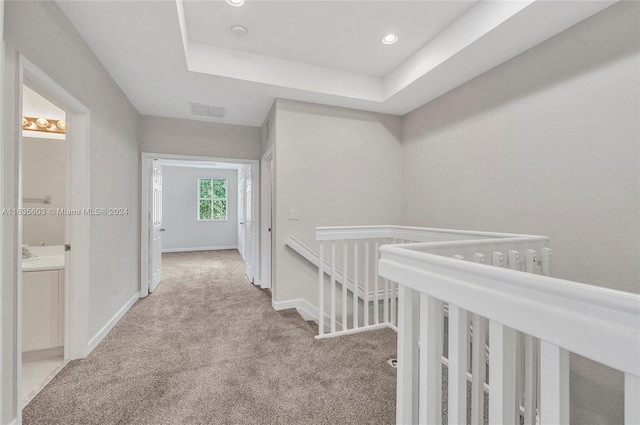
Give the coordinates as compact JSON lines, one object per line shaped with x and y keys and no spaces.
{"x":156,"y":227}
{"x":241,"y":219}
{"x":249,"y":257}
{"x":265,"y":258}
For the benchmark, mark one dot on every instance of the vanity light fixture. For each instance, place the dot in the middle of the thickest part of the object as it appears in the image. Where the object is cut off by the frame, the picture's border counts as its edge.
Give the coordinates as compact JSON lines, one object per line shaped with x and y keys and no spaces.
{"x":235,"y":3}
{"x":389,"y":39}
{"x":44,"y":125}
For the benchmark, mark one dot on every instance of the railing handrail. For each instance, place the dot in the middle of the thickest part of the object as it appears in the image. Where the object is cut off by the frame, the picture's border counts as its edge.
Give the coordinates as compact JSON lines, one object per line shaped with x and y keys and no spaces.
{"x":404,"y":232}
{"x":569,"y":314}
{"x":312,"y":256}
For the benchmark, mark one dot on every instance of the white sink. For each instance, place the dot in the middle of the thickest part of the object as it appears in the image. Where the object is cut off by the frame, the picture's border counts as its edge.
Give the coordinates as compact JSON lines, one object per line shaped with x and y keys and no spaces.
{"x":50,"y":262}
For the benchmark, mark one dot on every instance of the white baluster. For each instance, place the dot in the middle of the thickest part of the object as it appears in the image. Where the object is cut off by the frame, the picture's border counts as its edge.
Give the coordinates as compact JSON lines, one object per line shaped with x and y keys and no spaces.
{"x":394,"y":291}
{"x":530,"y":256}
{"x":554,"y":384}
{"x":536,"y":348}
{"x":631,"y":399}
{"x":430,"y":402}
{"x":355,"y":284}
{"x":479,"y":369}
{"x":513,"y":259}
{"x":387,"y":301}
{"x":520,"y":372}
{"x":406,"y":352}
{"x":366,"y":283}
{"x":502,"y":400}
{"x":376,"y":296}
{"x":345,"y":282}
{"x":333,"y":286}
{"x":458,"y":342}
{"x":530,"y":380}
{"x":392,"y":300}
{"x":321,"y":286}
{"x":478,"y":385}
{"x":479,"y":258}
{"x":497,"y":259}
{"x":545,"y":259}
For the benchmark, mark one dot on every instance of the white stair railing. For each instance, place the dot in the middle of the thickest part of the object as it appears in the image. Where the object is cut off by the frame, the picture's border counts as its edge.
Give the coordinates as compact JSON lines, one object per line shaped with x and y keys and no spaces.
{"x":352,"y":297}
{"x":533,"y":323}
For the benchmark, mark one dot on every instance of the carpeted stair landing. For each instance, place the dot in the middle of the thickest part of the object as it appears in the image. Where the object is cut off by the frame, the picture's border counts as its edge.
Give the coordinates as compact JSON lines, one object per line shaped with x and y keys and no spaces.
{"x":207,"y":348}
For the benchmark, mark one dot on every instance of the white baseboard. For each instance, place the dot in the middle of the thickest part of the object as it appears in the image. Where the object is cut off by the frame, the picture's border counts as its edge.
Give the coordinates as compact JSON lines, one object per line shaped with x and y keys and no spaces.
{"x":306,"y":310}
{"x":200,"y":248}
{"x":299,"y":303}
{"x":93,"y":342}
{"x":42,"y":354}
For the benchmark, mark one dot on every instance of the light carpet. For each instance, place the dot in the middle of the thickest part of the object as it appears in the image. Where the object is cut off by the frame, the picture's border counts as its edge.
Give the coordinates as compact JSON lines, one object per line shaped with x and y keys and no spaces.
{"x":207,"y":348}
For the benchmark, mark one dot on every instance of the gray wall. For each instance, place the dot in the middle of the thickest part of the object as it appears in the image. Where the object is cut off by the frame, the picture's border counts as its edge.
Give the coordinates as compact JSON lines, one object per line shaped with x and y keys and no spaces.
{"x":44,"y":172}
{"x":546,"y":143}
{"x":179,"y":209}
{"x":37,"y":29}
{"x":185,"y":137}
{"x":336,"y":167}
{"x":267,"y":131}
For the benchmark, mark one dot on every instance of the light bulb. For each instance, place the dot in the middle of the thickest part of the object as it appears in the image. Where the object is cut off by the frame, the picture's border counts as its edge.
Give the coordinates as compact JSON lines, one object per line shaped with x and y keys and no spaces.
{"x":389,"y":39}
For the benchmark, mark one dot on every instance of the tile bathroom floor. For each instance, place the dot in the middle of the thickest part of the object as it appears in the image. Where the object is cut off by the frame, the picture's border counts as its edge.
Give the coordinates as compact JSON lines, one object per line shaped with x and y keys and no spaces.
{"x":37,"y":373}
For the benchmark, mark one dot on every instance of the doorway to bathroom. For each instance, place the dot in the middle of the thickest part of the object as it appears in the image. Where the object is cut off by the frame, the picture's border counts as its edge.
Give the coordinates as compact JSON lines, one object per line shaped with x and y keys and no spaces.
{"x":49,"y":174}
{"x":44,"y":199}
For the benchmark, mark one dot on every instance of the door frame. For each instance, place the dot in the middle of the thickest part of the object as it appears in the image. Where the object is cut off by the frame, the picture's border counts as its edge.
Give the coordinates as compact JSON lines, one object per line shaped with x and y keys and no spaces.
{"x":266,"y":219}
{"x":76,"y":285}
{"x":145,"y":224}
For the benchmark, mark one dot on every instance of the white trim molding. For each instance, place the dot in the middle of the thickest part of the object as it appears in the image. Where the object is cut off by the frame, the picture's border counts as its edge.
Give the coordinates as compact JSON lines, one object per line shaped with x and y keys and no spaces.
{"x":77,"y":275}
{"x":266,"y":219}
{"x":98,"y":337}
{"x":305,"y":309}
{"x":200,"y":248}
{"x":146,"y":158}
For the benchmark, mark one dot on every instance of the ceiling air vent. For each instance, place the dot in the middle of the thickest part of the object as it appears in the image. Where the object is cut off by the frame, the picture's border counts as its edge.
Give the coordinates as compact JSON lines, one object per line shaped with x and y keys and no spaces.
{"x":207,"y":111}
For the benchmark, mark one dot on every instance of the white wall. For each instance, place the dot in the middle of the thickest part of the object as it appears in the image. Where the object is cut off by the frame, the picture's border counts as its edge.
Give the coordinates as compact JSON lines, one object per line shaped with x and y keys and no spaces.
{"x":336,"y":167}
{"x":185,"y":137}
{"x":44,"y":172}
{"x":267,"y":131}
{"x":37,"y":29}
{"x":179,"y":211}
{"x":547,"y":144}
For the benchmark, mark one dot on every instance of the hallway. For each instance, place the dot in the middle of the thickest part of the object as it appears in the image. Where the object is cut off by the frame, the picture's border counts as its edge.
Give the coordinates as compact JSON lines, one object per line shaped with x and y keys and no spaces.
{"x":207,"y":348}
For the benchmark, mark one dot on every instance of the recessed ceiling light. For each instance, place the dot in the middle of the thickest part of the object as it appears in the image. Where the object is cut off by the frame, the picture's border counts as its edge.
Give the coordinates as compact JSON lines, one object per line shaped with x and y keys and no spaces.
{"x":235,"y":3}
{"x":389,"y":39}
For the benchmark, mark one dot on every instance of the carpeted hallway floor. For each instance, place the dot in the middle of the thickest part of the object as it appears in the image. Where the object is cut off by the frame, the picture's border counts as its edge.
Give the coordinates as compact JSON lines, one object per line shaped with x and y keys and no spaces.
{"x":207,"y":348}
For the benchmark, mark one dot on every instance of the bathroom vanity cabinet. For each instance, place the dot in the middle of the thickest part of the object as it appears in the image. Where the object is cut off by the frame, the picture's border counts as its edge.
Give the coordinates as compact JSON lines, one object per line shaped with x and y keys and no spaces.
{"x":42,"y":310}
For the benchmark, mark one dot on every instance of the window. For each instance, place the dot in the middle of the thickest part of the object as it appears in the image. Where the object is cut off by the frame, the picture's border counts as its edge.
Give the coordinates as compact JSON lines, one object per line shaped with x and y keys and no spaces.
{"x":212,"y":199}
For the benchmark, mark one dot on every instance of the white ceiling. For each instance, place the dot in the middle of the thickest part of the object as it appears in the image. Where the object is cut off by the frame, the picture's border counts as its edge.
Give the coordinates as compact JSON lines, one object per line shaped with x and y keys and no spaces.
{"x":325,"y":34}
{"x":34,"y":105}
{"x":166,"y":54}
